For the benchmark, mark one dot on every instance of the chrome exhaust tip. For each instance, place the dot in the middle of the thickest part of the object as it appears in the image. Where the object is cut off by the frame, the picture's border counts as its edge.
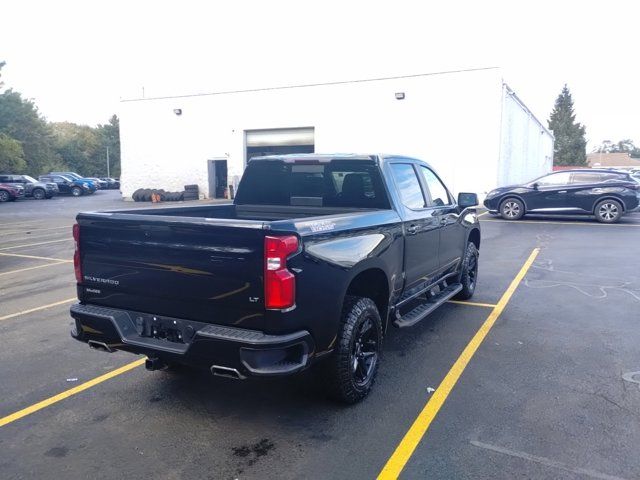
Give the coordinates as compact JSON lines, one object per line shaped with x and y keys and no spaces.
{"x":103,"y":347}
{"x":220,"y":371}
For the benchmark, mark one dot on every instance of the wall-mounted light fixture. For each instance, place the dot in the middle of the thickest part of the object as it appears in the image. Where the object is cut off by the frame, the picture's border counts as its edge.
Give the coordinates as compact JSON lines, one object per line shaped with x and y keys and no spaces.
{"x":177,"y":111}
{"x":399,"y":95}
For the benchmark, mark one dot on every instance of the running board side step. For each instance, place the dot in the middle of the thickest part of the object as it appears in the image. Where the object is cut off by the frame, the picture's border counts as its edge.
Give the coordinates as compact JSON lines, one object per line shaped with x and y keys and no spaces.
{"x":424,"y":309}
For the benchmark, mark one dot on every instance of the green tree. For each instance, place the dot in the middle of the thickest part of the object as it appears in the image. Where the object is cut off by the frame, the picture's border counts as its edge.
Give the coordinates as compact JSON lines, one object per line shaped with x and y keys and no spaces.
{"x":79,"y":147}
{"x":11,"y":155}
{"x":570,"y":146}
{"x":20,"y":120}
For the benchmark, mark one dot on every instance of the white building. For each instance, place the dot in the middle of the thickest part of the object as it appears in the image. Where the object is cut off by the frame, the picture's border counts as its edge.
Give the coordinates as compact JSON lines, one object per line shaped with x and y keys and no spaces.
{"x":468,"y":124}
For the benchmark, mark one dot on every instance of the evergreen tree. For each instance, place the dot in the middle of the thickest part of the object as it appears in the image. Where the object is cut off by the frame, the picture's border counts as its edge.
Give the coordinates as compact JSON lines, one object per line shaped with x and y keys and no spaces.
{"x":570,"y":146}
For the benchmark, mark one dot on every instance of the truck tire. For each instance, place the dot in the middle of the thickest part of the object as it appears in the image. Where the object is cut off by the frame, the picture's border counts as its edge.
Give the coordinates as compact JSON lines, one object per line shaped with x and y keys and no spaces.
{"x":469,"y":274}
{"x":511,"y":209}
{"x":39,"y":194}
{"x":350,"y":372}
{"x":608,"y":211}
{"x":136,"y":195}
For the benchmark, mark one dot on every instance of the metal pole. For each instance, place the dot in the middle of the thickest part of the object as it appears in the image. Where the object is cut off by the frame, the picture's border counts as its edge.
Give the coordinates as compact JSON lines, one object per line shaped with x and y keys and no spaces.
{"x":108,"y":162}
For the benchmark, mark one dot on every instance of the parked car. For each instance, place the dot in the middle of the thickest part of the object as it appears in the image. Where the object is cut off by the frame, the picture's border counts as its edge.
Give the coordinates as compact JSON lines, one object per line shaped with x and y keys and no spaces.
{"x":32,"y":187}
{"x":112,"y":183}
{"x":101,"y":184}
{"x":69,"y":186}
{"x":607,"y":194}
{"x":315,"y":258}
{"x":75,"y":176}
{"x":10,"y":192}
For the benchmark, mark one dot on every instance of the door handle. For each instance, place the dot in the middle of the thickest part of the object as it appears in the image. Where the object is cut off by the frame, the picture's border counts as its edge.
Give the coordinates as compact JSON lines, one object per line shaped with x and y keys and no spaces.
{"x":562,"y":191}
{"x":412,"y":229}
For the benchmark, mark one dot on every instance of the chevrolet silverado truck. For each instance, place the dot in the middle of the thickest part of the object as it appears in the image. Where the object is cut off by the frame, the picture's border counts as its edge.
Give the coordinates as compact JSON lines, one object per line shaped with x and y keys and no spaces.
{"x":310,"y":264}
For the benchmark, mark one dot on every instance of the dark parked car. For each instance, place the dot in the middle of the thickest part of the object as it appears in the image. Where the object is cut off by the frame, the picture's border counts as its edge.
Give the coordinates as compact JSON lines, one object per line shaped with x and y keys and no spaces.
{"x":607,"y":194}
{"x":112,"y":183}
{"x":101,"y":184}
{"x":69,"y":186}
{"x":315,"y":258}
{"x":32,"y":187}
{"x":10,"y":193}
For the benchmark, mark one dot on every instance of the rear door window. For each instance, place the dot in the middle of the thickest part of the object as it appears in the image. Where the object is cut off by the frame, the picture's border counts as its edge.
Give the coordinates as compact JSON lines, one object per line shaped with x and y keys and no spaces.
{"x":597,"y":177}
{"x":408,"y":185}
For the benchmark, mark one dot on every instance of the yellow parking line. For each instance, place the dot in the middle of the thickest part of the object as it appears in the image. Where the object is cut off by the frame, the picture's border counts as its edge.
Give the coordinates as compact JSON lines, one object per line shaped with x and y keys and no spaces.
{"x":408,"y":444}
{"x":34,"y":257}
{"x":549,"y":222}
{"x":483,"y":213}
{"x":68,"y":393}
{"x":473,"y":304}
{"x":37,"y":309}
{"x":33,"y":268}
{"x":36,"y":244}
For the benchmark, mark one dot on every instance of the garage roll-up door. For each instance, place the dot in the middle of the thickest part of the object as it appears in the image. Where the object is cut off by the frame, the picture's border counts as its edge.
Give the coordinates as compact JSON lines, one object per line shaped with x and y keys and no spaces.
{"x":280,"y":136}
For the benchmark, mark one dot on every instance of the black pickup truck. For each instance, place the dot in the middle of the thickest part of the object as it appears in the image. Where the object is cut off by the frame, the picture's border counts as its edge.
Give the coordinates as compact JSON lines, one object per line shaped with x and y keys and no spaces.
{"x":314,"y":259}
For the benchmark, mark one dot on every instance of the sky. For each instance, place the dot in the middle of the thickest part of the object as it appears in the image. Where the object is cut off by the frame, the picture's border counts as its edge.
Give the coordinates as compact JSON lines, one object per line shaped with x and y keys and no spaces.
{"x":78,"y":59}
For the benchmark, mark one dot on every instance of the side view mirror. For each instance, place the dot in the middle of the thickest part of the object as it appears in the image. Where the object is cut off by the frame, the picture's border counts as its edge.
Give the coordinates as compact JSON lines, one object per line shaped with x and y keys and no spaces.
{"x":535,"y":186}
{"x":467,"y":200}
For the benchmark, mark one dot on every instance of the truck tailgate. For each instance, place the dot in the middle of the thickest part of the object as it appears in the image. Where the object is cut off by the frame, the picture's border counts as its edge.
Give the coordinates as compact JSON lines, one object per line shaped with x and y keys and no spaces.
{"x":186,"y":269}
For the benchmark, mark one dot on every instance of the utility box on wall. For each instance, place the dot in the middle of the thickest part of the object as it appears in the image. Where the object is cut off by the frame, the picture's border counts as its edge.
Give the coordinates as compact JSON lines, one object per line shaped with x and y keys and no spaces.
{"x":467,"y":124}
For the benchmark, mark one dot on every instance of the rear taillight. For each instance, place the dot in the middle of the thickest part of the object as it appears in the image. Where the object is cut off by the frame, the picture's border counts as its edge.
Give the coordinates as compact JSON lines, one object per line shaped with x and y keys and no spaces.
{"x":76,"y":255}
{"x":279,"y":283}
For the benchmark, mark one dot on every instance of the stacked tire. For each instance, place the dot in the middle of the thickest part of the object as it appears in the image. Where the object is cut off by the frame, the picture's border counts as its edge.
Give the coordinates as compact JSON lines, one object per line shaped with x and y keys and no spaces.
{"x":191,"y":192}
{"x":146,"y":194}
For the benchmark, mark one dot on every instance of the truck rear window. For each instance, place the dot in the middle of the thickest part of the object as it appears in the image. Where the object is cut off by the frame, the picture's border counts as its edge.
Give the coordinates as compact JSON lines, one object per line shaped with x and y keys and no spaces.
{"x":339,"y":183}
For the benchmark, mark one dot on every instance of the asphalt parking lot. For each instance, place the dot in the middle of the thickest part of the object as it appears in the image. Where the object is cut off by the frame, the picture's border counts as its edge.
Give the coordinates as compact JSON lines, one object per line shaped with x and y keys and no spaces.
{"x":539,"y":377}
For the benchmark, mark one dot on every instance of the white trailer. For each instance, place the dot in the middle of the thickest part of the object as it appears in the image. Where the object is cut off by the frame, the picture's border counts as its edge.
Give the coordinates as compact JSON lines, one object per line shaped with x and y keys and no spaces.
{"x":468,"y":124}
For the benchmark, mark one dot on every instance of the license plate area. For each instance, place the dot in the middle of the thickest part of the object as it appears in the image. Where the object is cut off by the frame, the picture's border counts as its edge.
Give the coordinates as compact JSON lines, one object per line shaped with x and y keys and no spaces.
{"x":167,"y":329}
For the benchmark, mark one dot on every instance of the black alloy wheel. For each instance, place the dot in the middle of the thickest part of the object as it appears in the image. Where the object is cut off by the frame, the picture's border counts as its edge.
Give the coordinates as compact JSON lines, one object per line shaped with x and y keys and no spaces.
{"x":350,"y":371}
{"x":364,"y":352}
{"x":469,"y":274}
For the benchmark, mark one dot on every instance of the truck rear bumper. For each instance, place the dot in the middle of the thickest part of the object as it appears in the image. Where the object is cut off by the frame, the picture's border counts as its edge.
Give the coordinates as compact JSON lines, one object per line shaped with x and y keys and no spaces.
{"x":168,"y":340}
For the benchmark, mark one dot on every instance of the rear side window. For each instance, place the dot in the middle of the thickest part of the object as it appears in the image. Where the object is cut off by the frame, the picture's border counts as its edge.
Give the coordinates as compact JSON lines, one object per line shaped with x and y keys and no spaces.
{"x":437,"y":191}
{"x":339,"y":183}
{"x":597,"y":177}
{"x":408,"y":185}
